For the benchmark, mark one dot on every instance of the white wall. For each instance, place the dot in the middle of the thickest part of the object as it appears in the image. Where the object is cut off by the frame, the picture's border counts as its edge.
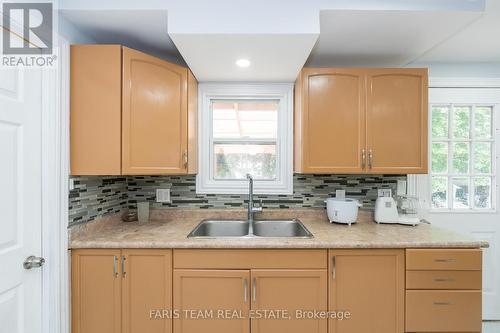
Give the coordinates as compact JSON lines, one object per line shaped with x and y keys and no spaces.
{"x":71,"y":33}
{"x":478,"y":70}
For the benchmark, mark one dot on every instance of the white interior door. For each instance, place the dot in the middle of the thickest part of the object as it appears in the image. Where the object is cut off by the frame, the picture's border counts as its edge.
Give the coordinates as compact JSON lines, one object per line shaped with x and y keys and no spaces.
{"x":459,"y":199}
{"x":20,"y":199}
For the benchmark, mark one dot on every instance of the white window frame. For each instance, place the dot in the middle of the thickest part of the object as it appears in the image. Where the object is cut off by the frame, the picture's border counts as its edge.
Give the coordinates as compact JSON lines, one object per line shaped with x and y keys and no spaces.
{"x":208,"y":92}
{"x":439,"y":95}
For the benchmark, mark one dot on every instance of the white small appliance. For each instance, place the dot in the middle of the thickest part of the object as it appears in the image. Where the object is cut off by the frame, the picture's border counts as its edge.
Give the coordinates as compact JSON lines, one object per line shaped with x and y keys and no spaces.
{"x":386,"y":211}
{"x":342,"y":210}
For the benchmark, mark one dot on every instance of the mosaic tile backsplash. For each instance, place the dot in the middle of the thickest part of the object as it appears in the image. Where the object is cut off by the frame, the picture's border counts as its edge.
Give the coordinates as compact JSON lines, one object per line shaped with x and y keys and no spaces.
{"x":96,"y":196}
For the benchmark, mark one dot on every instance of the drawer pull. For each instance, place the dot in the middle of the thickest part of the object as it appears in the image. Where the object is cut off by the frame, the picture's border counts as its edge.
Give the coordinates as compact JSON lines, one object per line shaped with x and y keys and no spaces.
{"x":443,"y":303}
{"x":444,"y":280}
{"x":448,"y":260}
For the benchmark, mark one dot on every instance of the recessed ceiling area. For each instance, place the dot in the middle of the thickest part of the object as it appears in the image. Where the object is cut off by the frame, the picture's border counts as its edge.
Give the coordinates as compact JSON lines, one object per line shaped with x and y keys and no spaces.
{"x":382,"y":38}
{"x":479,"y":42}
{"x":144,"y":30}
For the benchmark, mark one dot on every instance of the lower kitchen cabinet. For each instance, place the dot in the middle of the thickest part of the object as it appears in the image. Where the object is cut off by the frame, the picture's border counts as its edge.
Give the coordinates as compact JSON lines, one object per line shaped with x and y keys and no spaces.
{"x":304,"y":291}
{"x":370,"y":285}
{"x":276,"y":290}
{"x":115,"y":291}
{"x":95,"y":291}
{"x":200,"y":294}
{"x":443,"y":290}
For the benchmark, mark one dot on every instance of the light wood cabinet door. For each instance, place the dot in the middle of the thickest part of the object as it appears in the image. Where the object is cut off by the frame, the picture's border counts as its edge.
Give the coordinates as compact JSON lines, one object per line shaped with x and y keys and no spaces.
{"x":203,"y":291}
{"x":96,"y":291}
{"x":396,"y":120}
{"x":330,"y":121}
{"x":290,"y":290}
{"x":370,"y":285}
{"x":154,"y":115}
{"x":146,"y":287}
{"x":95,"y":109}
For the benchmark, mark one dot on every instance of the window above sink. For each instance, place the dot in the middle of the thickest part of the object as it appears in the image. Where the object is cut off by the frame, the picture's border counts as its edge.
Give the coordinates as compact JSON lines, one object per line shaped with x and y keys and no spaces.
{"x":245,"y":129}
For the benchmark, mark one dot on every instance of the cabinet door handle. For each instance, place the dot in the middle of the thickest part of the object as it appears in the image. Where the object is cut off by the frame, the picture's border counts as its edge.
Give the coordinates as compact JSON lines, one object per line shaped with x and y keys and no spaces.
{"x":370,"y":158}
{"x":185,"y":157}
{"x":123,"y":266}
{"x":254,"y":289}
{"x":334,"y":268}
{"x":245,"y":290}
{"x":115,"y":266}
{"x":363,"y":158}
{"x":442,"y":303}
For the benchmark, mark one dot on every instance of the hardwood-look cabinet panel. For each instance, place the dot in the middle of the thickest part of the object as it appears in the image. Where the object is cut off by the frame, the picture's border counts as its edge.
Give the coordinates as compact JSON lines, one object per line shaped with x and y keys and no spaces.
{"x":443,"y":280}
{"x":289,"y":290}
{"x":443,"y":311}
{"x":330,"y":121}
{"x":147,"y":286}
{"x":370,"y":284}
{"x":154,"y":116}
{"x":192,"y":167}
{"x":95,"y":291}
{"x":95,"y":122}
{"x":444,"y":259}
{"x":214,"y":290}
{"x":250,"y":258}
{"x":396,"y":120}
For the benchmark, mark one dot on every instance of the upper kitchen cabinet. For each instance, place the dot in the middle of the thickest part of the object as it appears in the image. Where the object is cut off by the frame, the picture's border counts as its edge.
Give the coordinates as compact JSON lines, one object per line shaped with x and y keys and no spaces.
{"x":353,"y":120}
{"x":131,"y":113}
{"x":95,"y":104}
{"x":396,"y":120}
{"x":329,"y":120}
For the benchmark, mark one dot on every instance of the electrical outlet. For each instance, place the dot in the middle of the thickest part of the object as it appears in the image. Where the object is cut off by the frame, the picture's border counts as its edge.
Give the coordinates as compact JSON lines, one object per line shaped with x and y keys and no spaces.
{"x":384,"y":192}
{"x":340,"y":194}
{"x":163,"y":195}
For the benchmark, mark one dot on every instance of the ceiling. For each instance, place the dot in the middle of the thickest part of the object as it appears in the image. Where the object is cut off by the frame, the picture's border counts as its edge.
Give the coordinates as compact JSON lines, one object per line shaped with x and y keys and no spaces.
{"x":273,"y":57}
{"x":145,"y":30}
{"x":211,"y":41}
{"x":478,"y":42}
{"x":382,"y":38}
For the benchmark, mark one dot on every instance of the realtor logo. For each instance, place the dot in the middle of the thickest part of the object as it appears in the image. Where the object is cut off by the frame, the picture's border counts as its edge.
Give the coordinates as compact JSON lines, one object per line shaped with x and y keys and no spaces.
{"x":27,"y":28}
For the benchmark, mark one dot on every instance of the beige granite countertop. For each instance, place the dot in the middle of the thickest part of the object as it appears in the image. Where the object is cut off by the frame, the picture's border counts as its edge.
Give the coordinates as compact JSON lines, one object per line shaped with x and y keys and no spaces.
{"x":169,"y":228}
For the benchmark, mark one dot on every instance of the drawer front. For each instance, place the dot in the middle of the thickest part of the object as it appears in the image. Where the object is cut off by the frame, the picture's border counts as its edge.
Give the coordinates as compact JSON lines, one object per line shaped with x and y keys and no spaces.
{"x":250,"y":259}
{"x":443,"y":280}
{"x":443,"y":311}
{"x":444,"y":259}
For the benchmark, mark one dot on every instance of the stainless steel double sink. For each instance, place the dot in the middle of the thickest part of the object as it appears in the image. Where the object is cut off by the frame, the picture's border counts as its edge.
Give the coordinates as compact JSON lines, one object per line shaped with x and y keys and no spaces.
{"x":239,"y":229}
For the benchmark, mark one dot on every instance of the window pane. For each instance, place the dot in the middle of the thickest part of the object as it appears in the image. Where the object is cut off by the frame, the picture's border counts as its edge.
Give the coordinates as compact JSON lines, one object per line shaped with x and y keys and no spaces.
{"x":482,"y":192}
{"x":460,"y":157}
{"x":482,"y":122}
{"x":439,"y":192}
{"x":439,"y":157}
{"x":460,"y":188}
{"x":461,"y":121}
{"x":440,"y":121}
{"x":482,"y":157}
{"x":245,"y":119}
{"x":234,"y":161}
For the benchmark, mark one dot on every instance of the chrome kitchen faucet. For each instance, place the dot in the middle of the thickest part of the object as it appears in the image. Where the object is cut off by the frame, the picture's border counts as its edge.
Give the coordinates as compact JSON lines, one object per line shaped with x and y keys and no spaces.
{"x":251,"y":208}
